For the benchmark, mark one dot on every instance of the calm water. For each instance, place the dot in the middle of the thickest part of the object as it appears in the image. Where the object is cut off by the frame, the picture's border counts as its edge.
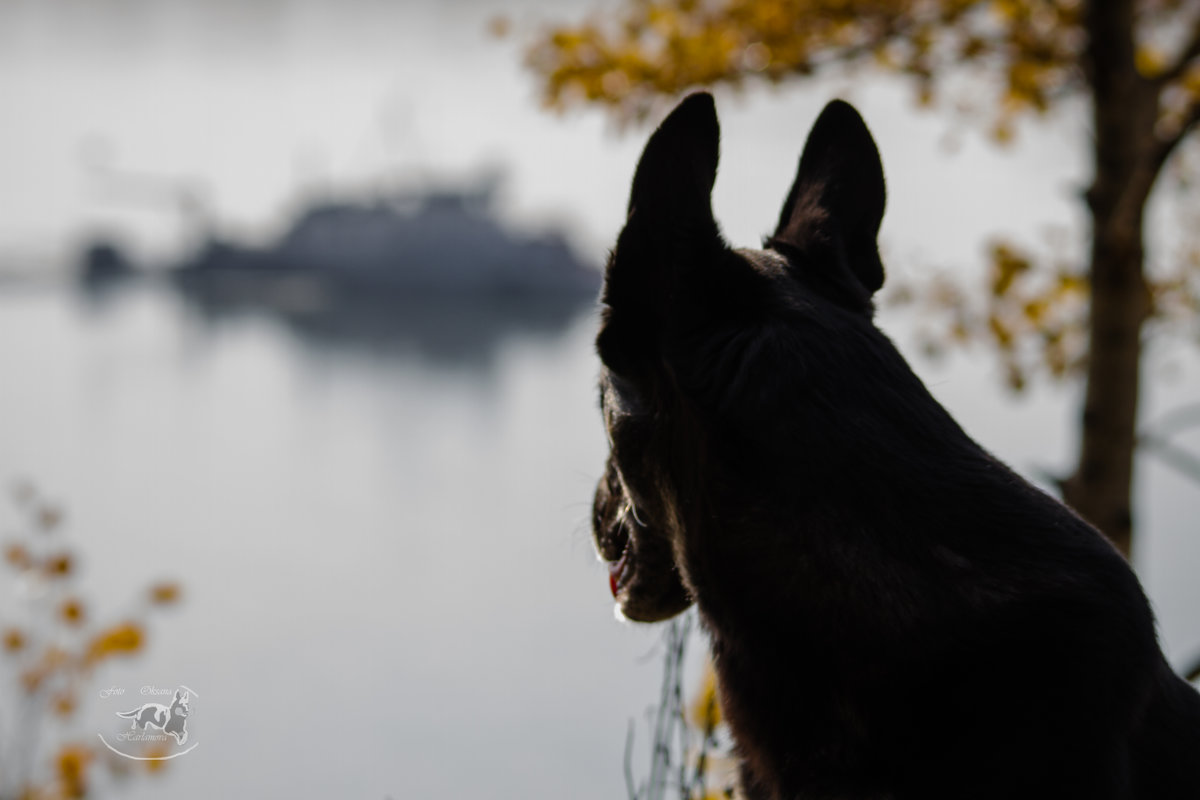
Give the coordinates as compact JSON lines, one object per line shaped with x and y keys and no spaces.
{"x":380,"y":525}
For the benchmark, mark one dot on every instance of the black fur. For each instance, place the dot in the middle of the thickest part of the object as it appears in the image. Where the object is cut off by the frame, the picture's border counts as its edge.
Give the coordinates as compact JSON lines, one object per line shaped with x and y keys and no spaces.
{"x":893,"y":612}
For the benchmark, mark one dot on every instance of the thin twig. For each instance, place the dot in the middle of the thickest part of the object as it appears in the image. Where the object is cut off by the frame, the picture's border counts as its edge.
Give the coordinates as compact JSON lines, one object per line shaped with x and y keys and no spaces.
{"x":1162,"y":152}
{"x":1175,"y":420}
{"x":670,"y":733}
{"x":1183,"y":461}
{"x":630,"y":789}
{"x":680,"y":709}
{"x":1180,"y":67}
{"x":660,"y":755}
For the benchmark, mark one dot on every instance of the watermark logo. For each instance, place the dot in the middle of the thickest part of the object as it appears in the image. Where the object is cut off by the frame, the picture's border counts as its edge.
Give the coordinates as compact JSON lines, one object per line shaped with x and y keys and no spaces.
{"x":156,"y":731}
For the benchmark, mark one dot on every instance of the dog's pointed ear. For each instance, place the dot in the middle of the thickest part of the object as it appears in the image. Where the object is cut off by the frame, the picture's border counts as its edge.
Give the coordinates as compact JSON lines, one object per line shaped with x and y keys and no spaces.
{"x":838,"y":195}
{"x":675,"y":175}
{"x":666,"y":257}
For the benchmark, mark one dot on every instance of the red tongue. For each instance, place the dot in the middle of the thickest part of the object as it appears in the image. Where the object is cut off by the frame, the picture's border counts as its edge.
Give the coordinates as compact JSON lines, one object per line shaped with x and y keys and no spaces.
{"x":615,"y":570}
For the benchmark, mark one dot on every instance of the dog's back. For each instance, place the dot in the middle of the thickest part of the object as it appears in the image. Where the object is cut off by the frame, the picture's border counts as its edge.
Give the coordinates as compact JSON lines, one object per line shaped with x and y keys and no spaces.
{"x":1166,"y":745}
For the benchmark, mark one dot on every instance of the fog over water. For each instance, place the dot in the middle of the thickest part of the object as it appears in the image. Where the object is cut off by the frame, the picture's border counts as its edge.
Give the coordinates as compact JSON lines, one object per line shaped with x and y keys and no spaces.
{"x":379,"y":516}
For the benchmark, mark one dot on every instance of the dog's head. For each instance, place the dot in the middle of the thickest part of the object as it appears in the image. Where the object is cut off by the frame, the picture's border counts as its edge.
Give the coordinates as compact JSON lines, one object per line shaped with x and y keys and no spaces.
{"x":705,"y":348}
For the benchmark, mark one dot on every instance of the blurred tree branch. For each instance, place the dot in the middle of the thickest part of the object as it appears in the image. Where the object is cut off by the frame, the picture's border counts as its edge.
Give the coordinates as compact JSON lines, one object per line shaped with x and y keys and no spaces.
{"x":1155,"y":438}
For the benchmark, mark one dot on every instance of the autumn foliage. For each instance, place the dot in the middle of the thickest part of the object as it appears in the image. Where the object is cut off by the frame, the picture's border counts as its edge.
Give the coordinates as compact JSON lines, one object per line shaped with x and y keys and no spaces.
{"x":51,"y":646}
{"x":655,"y":48}
{"x":1029,"y":53}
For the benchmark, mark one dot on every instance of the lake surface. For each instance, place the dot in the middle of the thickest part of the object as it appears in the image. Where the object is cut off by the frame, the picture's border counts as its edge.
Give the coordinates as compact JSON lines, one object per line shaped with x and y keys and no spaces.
{"x":380,"y":527}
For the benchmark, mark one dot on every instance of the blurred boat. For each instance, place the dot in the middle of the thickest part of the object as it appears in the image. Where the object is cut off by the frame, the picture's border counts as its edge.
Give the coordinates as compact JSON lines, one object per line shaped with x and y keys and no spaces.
{"x":435,"y":242}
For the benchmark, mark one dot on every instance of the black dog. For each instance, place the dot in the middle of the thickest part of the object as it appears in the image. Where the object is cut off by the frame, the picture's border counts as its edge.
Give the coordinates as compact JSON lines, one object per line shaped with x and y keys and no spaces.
{"x":893,"y":613}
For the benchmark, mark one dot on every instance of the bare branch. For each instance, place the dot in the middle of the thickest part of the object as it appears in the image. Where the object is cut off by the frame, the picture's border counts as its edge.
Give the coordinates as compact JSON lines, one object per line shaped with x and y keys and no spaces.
{"x":1175,"y":420}
{"x":1167,"y":146}
{"x":630,"y":789}
{"x":1189,"y":54}
{"x":1183,"y":461}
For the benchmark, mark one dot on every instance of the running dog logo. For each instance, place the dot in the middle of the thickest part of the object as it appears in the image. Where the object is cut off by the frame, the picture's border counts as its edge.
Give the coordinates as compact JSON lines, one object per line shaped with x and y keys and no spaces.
{"x":169,"y":719}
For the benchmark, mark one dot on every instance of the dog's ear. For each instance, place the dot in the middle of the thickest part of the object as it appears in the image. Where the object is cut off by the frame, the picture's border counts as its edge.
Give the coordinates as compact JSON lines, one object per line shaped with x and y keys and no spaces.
{"x":838,"y":196}
{"x":670,"y":239}
{"x":675,"y":175}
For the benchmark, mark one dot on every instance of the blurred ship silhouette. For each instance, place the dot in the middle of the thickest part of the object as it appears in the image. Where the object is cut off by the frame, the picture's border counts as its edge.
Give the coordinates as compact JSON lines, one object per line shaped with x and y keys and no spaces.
{"x":437,"y":242}
{"x":432,"y":268}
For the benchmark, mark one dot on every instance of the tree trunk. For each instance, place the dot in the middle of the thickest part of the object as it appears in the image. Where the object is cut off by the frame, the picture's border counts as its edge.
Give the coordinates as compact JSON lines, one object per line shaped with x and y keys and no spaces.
{"x":1124,"y":112}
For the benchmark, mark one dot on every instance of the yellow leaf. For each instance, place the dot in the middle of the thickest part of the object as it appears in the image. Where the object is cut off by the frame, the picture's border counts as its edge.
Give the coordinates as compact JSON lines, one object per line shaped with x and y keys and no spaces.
{"x":164,"y":594}
{"x":49,"y":517}
{"x":14,"y":640}
{"x":157,"y":758}
{"x":58,"y":565}
{"x":121,"y":639}
{"x":499,"y":26}
{"x":705,"y":711}
{"x":1149,"y":62}
{"x":72,"y":764}
{"x":1015,"y":377}
{"x":31,"y":680}
{"x":71,"y":611}
{"x":18,"y":556}
{"x":64,"y":704}
{"x":1000,"y":332}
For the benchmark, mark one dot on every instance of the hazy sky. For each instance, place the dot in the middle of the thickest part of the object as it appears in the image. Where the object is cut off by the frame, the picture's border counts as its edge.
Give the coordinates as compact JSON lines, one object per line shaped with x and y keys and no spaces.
{"x":112,"y":107}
